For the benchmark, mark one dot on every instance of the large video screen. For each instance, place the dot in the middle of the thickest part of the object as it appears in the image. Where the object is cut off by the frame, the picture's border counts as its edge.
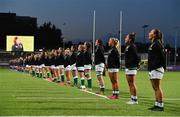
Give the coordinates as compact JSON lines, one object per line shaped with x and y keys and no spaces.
{"x":20,"y":43}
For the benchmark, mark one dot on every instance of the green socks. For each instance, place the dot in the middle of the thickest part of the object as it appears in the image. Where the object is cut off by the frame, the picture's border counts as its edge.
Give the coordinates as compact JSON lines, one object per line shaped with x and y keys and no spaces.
{"x":89,"y":83}
{"x":82,"y":82}
{"x":75,"y":80}
{"x":62,"y":78}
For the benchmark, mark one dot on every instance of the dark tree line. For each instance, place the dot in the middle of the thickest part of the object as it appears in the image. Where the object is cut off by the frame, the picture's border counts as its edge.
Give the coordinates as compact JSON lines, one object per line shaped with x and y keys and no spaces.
{"x":48,"y":36}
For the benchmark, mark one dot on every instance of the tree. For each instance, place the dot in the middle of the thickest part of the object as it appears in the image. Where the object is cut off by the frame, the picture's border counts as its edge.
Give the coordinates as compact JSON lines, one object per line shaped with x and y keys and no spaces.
{"x":48,"y":36}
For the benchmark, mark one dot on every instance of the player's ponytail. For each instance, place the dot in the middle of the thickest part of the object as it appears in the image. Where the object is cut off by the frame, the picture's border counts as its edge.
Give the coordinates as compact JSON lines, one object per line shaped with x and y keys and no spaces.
{"x":132,"y":36}
{"x":115,"y":41}
{"x":158,"y":35}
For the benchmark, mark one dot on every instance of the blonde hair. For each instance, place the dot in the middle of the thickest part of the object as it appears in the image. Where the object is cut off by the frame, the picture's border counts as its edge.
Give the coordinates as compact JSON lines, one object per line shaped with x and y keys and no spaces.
{"x":115,"y":41}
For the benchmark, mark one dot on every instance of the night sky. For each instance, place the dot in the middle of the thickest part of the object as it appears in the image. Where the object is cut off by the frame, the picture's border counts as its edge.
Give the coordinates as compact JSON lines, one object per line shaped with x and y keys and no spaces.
{"x":75,"y":17}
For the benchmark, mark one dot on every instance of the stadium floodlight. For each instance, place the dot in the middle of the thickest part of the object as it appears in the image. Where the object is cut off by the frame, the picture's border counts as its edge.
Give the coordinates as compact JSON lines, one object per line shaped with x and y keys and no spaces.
{"x":144,"y":28}
{"x":144,"y":31}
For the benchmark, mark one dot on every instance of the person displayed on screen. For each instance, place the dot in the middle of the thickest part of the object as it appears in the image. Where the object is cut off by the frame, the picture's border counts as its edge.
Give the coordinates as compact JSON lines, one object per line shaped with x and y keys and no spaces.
{"x":17,"y":46}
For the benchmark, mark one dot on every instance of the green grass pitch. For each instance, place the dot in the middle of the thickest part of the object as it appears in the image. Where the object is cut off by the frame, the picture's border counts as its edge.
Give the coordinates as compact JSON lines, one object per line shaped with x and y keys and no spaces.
{"x":21,"y":94}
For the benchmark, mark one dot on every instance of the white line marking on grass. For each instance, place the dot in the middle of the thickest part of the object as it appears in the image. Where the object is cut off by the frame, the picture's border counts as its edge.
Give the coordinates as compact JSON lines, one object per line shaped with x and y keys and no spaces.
{"x":54,"y":98}
{"x":103,"y":96}
{"x":80,"y":98}
{"x":172,"y":99}
{"x":88,"y":116}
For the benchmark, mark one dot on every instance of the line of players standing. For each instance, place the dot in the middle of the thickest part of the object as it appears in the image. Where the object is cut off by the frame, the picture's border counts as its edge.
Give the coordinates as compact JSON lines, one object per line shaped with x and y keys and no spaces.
{"x":54,"y":64}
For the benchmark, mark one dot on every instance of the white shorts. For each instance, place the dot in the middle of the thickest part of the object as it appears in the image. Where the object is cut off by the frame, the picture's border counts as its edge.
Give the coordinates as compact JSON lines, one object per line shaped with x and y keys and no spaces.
{"x":156,"y":74}
{"x":87,"y":67}
{"x":99,"y":67}
{"x":34,"y":66}
{"x":52,"y":67}
{"x":81,"y":69}
{"x":130,"y":72}
{"x":28,"y":66}
{"x":68,"y":68}
{"x":111,"y":70}
{"x":42,"y":65}
{"x":60,"y":66}
{"x":73,"y":67}
{"x":37,"y":67}
{"x":56,"y":67}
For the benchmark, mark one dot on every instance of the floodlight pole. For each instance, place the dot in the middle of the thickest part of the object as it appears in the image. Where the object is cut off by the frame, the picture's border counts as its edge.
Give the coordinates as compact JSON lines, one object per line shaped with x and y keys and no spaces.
{"x":94,"y":36}
{"x":144,"y":29}
{"x":120,"y":35}
{"x":175,"y":45}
